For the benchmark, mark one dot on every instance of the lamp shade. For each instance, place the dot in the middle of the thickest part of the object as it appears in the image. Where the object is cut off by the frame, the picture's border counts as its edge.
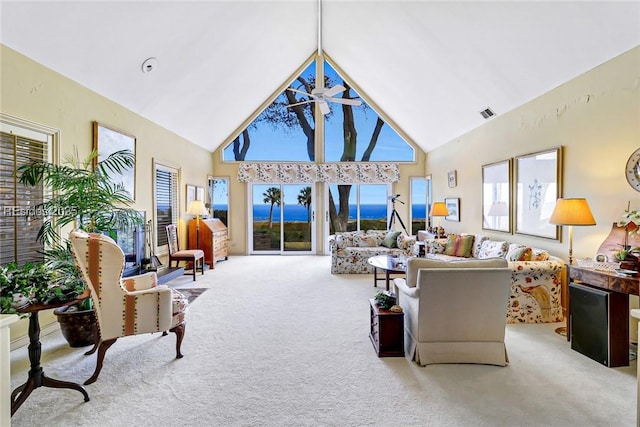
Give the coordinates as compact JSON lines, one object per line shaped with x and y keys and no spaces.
{"x":572,"y":212}
{"x":439,"y":209}
{"x":197,"y":208}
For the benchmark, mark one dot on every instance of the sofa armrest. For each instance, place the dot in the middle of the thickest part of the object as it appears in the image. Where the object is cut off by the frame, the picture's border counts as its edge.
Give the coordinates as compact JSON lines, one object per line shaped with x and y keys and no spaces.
{"x":400,"y":286}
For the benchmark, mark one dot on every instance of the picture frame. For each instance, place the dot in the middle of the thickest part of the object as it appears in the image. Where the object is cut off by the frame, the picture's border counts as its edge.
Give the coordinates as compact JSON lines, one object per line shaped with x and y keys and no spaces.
{"x":190,"y":195}
{"x":452,"y":178}
{"x":496,"y":196}
{"x":108,"y":140}
{"x":453,"y":206}
{"x":200,"y":194}
{"x":538,"y":185}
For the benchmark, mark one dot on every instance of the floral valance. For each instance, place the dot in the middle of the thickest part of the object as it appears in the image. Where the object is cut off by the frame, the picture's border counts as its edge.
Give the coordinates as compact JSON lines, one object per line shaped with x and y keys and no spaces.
{"x":335,"y":173}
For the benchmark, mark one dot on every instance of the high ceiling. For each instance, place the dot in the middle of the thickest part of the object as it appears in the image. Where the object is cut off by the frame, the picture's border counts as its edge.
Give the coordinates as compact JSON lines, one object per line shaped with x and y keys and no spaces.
{"x":431,"y":66}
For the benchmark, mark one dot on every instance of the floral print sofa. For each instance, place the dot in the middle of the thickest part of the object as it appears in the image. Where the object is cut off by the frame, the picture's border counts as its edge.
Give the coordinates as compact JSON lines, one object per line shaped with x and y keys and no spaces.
{"x":536,"y":276}
{"x":350,"y":250}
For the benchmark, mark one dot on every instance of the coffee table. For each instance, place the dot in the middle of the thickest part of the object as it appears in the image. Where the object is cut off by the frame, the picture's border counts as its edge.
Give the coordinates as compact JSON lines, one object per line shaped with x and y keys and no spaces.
{"x":389,"y":265}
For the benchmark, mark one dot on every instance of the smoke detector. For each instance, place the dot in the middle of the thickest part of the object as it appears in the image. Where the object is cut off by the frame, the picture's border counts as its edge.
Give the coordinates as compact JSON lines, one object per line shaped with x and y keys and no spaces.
{"x":149,"y":65}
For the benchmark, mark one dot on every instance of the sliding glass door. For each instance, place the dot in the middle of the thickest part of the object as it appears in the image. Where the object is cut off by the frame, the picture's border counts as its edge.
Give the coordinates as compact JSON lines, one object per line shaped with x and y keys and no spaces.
{"x":283,"y":219}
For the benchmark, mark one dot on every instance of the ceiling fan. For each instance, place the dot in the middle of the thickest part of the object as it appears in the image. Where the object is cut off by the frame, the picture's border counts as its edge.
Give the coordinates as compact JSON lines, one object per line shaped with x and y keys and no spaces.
{"x":323,"y":95}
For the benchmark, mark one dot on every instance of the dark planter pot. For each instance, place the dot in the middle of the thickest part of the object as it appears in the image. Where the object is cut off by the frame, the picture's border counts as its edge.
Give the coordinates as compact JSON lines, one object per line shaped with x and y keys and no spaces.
{"x":79,"y":328}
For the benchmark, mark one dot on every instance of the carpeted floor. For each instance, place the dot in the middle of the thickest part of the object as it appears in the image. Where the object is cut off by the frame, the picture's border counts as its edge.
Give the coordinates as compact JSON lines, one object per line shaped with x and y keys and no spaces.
{"x":279,"y":341}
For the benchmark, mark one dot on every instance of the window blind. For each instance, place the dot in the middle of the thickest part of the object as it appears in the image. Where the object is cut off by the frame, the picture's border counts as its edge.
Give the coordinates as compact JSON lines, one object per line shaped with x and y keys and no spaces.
{"x":20,"y":219}
{"x":166,"y":202}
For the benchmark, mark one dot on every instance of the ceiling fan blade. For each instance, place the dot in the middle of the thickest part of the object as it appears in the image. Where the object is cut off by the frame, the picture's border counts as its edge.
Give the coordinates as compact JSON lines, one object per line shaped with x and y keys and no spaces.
{"x":334,"y":90}
{"x":299,"y":91}
{"x":324,"y":107}
{"x":300,"y":103}
{"x":347,"y":101}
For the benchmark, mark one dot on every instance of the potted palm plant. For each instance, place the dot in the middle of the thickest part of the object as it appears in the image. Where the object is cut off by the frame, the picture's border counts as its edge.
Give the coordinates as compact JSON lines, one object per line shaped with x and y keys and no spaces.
{"x":82,"y":195}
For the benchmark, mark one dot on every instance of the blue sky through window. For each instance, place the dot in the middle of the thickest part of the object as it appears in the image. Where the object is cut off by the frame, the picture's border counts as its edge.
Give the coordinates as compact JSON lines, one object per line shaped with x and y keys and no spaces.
{"x":271,"y":142}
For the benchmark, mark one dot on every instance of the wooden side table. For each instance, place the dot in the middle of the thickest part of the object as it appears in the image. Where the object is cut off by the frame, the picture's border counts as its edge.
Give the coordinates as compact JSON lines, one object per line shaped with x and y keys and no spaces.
{"x":37,"y":377}
{"x":387,"y":331}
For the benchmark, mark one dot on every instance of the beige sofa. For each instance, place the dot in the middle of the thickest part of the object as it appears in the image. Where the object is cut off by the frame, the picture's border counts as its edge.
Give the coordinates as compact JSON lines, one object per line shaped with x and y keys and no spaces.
{"x":536,"y":276}
{"x":454,"y":310}
{"x":350,"y":250}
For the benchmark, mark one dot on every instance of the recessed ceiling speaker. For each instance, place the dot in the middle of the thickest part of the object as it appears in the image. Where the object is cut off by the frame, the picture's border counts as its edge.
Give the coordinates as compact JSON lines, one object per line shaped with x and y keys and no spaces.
{"x":487,"y":113}
{"x":149,"y":65}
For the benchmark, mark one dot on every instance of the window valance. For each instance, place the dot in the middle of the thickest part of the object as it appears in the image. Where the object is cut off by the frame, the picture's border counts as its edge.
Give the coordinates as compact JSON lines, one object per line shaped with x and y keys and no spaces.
{"x":335,"y":173}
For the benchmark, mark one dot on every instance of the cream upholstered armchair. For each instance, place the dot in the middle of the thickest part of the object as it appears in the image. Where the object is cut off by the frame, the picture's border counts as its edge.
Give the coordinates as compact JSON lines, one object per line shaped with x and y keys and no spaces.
{"x":455,"y":311}
{"x":124,"y":306}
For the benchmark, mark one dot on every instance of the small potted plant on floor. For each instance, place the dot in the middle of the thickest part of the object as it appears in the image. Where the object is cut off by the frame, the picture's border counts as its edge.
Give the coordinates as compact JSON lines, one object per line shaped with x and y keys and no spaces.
{"x":82,"y":196}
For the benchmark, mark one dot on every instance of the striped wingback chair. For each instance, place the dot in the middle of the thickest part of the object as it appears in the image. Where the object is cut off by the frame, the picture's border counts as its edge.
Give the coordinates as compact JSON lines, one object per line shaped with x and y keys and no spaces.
{"x":124,"y":306}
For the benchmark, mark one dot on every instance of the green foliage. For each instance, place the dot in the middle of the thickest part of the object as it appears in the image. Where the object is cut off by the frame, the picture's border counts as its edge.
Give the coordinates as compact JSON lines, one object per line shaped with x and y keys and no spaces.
{"x":34,"y":283}
{"x":82,"y":194}
{"x":385,"y":300}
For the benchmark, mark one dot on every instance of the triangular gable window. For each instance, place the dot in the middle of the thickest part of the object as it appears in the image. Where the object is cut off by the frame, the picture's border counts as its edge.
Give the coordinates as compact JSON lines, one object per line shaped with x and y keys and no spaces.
{"x":286,"y":129}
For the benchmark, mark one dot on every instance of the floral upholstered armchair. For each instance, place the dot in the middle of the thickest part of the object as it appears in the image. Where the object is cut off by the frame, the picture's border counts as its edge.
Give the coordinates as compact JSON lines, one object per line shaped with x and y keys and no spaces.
{"x":124,"y":306}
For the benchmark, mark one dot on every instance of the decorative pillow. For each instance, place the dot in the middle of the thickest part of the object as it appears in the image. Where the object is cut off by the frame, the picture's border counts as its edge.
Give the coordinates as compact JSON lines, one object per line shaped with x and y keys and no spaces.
{"x":539,"y":255}
{"x":364,"y":241}
{"x":522,"y":253}
{"x":435,"y":246}
{"x":391,"y":239}
{"x":477,"y":243}
{"x":459,"y":245}
{"x":379,"y":235}
{"x":405,"y":241}
{"x":493,"y":249}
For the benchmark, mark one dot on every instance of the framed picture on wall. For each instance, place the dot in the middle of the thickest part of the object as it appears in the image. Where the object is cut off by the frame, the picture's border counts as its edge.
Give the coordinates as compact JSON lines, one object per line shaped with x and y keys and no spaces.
{"x":496,"y":196}
{"x":453,"y":206}
{"x":191,"y":195}
{"x":107,"y":141}
{"x":200,"y":194}
{"x":538,"y":184}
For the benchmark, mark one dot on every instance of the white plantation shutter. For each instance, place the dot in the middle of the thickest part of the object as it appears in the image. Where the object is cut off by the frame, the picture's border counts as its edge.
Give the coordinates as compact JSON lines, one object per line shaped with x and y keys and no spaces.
{"x":19,"y":218}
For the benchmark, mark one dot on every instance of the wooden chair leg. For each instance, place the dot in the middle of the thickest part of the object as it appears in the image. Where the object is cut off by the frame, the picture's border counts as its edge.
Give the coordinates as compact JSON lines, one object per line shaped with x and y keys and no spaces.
{"x":179,"y":331}
{"x":195,"y":268}
{"x":102,"y":349}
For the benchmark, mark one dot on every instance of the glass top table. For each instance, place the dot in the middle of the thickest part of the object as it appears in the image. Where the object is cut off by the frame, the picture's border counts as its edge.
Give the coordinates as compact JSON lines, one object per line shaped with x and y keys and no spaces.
{"x":390,"y":265}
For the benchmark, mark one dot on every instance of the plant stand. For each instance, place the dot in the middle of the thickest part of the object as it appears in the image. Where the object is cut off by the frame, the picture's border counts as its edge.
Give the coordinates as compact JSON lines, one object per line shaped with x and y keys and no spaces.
{"x":37,"y":377}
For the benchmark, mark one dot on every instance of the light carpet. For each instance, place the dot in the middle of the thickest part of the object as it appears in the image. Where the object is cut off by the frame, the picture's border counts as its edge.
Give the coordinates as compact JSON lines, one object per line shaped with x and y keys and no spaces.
{"x":279,"y":341}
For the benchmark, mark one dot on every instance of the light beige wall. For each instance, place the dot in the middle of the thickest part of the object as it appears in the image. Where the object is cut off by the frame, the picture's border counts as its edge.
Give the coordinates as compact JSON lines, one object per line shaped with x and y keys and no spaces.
{"x":35,"y":93}
{"x":595,"y":117}
{"x":239,"y":216}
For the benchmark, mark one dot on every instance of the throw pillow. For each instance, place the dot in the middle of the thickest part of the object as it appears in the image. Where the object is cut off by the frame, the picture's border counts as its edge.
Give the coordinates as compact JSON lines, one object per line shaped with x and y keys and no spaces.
{"x":539,"y":255}
{"x":405,"y":241}
{"x":364,"y":241}
{"x":493,"y":249}
{"x":391,"y":239}
{"x":459,"y":245}
{"x":523,"y":253}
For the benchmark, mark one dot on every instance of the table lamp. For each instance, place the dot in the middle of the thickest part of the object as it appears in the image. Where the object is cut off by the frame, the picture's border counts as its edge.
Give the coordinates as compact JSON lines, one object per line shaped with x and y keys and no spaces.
{"x":572,"y":212}
{"x":439,"y":209}
{"x":197,"y":208}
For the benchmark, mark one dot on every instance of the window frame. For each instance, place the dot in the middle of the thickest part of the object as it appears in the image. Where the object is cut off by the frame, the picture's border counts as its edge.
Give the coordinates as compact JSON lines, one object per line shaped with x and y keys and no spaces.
{"x":175,"y":201}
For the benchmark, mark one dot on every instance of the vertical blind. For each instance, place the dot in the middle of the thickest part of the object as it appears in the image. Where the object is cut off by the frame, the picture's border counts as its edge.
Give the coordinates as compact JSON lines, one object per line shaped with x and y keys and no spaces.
{"x":20,"y":219}
{"x":166,"y":202}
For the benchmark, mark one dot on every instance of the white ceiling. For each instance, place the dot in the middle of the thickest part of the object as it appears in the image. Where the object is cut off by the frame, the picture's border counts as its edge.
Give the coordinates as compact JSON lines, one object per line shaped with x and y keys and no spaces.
{"x":431,"y":66}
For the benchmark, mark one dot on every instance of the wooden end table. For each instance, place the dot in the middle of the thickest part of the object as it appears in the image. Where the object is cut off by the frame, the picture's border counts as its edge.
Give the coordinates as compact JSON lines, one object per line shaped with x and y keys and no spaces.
{"x":37,"y":378}
{"x":387,"y":331}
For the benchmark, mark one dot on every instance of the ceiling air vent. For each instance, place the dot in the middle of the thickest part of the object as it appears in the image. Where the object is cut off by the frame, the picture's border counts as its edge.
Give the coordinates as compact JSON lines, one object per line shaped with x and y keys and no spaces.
{"x":487,"y":113}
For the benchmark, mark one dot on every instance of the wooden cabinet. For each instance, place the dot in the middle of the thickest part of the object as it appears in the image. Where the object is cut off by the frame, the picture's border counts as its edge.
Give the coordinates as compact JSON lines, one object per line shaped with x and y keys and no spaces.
{"x":213,"y":239}
{"x":387,"y":331}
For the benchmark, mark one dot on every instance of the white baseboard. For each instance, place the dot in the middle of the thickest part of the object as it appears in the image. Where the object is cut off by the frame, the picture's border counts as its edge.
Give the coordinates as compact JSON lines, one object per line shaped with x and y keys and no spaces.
{"x":23,"y":341}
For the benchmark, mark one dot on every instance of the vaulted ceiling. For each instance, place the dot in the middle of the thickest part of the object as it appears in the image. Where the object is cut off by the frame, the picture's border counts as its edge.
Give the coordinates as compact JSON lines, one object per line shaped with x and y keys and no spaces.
{"x":430,"y":66}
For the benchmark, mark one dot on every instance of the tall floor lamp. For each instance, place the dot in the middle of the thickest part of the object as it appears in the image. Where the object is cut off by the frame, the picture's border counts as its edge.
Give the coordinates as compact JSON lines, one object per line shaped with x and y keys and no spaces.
{"x":197,"y":208}
{"x":438,"y":209}
{"x":571,"y":212}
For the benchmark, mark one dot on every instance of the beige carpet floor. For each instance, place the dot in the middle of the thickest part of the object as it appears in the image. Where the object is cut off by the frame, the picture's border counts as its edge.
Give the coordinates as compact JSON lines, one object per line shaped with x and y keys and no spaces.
{"x":279,"y":341}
